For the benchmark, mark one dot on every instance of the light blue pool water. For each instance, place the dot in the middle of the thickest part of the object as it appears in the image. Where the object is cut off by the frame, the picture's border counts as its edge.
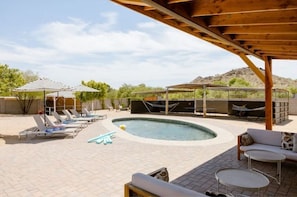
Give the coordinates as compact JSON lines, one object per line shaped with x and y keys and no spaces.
{"x":164,"y":129}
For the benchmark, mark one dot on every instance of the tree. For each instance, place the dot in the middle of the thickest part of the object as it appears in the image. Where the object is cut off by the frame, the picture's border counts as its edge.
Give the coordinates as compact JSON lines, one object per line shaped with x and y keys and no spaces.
{"x":293,"y":90}
{"x":25,"y":100}
{"x":29,"y":76}
{"x":10,"y":79}
{"x":239,"y":82}
{"x":127,"y":91}
{"x":88,"y":96}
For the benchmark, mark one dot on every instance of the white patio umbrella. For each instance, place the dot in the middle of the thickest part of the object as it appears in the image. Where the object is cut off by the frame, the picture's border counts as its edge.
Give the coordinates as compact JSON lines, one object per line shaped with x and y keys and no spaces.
{"x":82,"y":88}
{"x":42,"y":85}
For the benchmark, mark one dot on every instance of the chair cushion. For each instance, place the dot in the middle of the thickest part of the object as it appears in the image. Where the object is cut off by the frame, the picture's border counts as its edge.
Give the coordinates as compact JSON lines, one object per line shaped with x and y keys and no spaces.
{"x":289,"y":154}
{"x":161,"y":188}
{"x":266,"y":137}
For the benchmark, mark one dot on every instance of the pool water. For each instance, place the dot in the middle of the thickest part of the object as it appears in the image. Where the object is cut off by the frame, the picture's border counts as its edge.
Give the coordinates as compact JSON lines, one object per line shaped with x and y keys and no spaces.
{"x":165,"y":129}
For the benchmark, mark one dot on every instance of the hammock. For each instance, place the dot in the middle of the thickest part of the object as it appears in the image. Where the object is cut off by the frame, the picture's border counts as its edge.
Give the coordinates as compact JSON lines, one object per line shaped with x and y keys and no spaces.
{"x":170,"y":106}
{"x":245,"y":109}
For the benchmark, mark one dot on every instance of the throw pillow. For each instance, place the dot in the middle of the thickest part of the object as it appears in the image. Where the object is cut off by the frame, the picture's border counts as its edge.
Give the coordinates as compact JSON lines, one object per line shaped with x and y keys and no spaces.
{"x":246,"y":140}
{"x":287,"y":141}
{"x":162,"y":175}
{"x":295,"y":142}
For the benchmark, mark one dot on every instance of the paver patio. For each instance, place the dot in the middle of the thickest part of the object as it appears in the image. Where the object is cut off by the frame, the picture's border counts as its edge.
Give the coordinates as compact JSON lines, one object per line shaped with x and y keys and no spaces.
{"x":73,"y":167}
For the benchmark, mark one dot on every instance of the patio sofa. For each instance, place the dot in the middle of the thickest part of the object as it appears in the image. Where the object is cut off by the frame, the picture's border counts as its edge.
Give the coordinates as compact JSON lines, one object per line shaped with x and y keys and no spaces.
{"x":156,"y":184}
{"x":276,"y":141}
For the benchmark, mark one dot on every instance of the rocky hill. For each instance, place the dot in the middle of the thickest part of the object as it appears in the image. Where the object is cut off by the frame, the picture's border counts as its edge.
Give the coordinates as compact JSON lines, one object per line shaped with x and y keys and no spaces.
{"x":248,"y":75}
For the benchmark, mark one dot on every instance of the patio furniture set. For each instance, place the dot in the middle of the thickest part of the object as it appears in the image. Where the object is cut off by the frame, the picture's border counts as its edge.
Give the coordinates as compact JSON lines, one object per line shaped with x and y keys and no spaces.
{"x":255,"y":144}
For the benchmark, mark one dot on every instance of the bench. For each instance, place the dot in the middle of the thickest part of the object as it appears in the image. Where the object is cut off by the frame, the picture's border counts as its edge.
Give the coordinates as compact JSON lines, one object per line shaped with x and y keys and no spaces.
{"x":151,"y":185}
{"x":275,"y":141}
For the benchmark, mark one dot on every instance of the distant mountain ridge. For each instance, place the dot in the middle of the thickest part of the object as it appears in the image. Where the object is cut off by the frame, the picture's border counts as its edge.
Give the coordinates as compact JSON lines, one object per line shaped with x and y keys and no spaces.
{"x":248,"y":75}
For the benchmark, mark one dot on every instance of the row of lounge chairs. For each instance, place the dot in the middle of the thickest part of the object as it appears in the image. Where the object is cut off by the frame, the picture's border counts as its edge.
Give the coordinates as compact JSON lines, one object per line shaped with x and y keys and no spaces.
{"x":72,"y":124}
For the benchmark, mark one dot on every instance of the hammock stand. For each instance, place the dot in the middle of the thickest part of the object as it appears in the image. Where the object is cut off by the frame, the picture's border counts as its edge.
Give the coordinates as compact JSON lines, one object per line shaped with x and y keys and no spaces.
{"x":148,"y":105}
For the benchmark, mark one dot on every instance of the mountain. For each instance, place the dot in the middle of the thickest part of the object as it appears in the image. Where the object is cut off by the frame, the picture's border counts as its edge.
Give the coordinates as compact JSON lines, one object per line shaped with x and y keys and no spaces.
{"x":248,"y":75}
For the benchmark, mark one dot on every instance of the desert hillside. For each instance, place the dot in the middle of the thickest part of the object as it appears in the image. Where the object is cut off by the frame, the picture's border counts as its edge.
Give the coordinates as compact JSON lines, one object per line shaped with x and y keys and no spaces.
{"x":248,"y":75}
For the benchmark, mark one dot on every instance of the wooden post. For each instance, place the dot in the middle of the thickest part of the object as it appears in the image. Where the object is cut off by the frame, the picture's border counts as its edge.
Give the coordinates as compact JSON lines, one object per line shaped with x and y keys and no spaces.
{"x":268,"y":93}
{"x":166,"y":102}
{"x":204,"y":101}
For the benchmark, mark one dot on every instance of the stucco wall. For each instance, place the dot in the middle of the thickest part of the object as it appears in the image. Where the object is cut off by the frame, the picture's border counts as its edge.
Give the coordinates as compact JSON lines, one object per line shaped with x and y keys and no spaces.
{"x":10,"y":105}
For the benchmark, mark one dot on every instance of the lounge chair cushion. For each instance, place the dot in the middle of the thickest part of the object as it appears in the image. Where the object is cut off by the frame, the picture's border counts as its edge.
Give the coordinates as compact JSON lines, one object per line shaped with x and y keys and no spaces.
{"x":161,"y":188}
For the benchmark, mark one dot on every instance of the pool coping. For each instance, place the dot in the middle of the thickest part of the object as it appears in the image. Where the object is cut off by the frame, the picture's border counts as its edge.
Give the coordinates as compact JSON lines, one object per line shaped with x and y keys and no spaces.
{"x":223,"y":135}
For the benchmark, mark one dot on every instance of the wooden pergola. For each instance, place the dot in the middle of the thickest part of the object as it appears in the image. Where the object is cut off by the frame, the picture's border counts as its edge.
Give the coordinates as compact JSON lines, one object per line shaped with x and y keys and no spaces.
{"x":264,"y":29}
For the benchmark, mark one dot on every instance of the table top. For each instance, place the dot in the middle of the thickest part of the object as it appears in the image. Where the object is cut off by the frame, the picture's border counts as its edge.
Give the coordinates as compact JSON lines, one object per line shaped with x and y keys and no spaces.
{"x":241,"y":178}
{"x":265,"y":156}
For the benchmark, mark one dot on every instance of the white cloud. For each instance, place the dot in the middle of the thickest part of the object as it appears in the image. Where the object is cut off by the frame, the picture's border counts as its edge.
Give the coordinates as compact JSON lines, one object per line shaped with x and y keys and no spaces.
{"x":151,"y":53}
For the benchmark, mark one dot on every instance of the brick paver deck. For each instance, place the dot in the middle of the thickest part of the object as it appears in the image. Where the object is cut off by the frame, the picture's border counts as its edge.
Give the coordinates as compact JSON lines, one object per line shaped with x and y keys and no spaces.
{"x":73,"y":167}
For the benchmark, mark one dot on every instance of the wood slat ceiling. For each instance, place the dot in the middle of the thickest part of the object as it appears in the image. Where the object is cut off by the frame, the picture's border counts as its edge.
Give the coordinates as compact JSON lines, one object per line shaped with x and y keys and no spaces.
{"x":250,"y":27}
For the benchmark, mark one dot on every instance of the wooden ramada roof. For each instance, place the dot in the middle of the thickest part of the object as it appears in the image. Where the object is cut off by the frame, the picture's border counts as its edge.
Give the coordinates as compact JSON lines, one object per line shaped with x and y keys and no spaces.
{"x":249,"y":27}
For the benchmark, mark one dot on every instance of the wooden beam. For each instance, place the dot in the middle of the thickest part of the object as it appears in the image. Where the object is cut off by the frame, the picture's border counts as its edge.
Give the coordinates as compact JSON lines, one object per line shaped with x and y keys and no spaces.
{"x":252,"y":67}
{"x":265,"y":29}
{"x":271,"y":43}
{"x":283,"y":56}
{"x":271,"y":37}
{"x":266,"y":18}
{"x":198,"y":24}
{"x":207,"y":7}
{"x":178,"y":1}
{"x":132,"y":2}
{"x":283,"y":48}
{"x":268,"y":93}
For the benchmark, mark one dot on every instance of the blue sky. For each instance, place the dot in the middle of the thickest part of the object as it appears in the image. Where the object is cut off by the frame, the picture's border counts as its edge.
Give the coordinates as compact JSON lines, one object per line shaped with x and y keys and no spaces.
{"x":74,"y":40}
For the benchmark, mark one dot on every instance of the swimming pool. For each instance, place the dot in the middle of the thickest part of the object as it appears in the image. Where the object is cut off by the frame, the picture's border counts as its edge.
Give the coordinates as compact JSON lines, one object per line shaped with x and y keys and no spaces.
{"x":165,"y":129}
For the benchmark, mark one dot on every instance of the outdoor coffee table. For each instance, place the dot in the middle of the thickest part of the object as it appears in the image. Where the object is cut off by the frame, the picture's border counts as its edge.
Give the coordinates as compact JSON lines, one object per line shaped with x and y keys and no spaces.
{"x":241,"y":178}
{"x":266,"y":156}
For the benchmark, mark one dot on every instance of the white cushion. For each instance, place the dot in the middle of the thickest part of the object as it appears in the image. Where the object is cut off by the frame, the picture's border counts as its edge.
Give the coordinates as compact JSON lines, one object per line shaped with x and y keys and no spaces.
{"x":266,"y":137}
{"x":162,"y":188}
{"x":289,"y":154}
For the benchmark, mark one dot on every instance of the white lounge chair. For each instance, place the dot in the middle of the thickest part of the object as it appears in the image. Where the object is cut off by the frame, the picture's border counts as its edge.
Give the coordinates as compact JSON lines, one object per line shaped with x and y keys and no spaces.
{"x":81,"y":119}
{"x":77,"y":115}
{"x":89,"y":114}
{"x":54,"y":125}
{"x":62,"y":120}
{"x":49,"y":131}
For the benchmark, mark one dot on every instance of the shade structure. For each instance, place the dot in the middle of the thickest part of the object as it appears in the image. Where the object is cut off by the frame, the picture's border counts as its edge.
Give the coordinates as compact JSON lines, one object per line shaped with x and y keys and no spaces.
{"x":65,"y":94}
{"x":194,"y":86}
{"x":82,"y":88}
{"x":42,"y":85}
